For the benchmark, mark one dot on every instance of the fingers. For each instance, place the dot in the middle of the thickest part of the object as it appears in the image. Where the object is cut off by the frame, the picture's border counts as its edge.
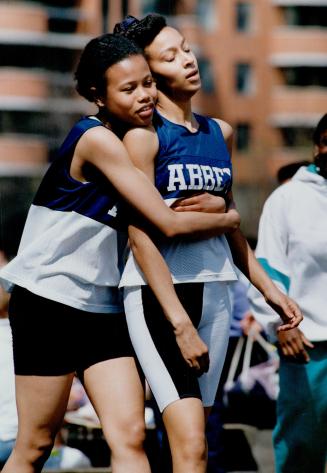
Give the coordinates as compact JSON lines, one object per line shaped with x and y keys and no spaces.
{"x":292,"y":315}
{"x":306,"y":342}
{"x":188,"y":208}
{"x":200,"y":363}
{"x":193,"y":349}
{"x":295,"y":315}
{"x":204,"y":362}
{"x":195,"y":199}
{"x":284,"y":327}
{"x":298,"y":349}
{"x":292,"y":346}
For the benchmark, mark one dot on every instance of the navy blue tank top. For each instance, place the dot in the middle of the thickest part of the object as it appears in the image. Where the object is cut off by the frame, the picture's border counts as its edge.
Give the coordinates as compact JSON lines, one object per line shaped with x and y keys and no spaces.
{"x":96,"y":199}
{"x":191,"y":162}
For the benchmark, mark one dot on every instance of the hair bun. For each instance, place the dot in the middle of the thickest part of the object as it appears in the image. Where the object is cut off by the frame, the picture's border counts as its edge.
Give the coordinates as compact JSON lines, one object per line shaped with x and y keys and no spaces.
{"x":125,"y":24}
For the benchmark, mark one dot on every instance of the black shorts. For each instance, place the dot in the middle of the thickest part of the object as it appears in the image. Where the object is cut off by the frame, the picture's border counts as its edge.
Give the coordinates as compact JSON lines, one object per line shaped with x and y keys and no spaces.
{"x":51,"y":339}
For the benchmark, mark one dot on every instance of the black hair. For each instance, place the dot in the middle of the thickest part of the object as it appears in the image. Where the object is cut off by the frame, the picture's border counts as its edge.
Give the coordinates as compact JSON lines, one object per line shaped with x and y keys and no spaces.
{"x":320,"y":128}
{"x":142,"y":32}
{"x":98,"y":55}
{"x":287,"y":172}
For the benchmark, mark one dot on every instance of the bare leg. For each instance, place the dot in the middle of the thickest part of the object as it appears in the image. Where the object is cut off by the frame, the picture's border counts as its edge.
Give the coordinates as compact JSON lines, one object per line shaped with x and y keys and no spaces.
{"x":41,"y":404}
{"x":117,"y":394}
{"x":185,"y":425}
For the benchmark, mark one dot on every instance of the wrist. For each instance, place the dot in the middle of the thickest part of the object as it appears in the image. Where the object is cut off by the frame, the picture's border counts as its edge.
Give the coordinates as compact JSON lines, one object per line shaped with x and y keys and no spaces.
{"x":234,"y":219}
{"x":269,"y":290}
{"x":180,"y":324}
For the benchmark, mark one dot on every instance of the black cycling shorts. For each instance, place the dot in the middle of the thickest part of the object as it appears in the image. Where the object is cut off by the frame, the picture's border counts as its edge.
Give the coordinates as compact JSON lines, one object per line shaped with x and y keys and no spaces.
{"x":51,"y":339}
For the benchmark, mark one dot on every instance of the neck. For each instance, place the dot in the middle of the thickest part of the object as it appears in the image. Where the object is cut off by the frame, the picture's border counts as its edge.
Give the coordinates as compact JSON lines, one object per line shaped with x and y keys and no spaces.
{"x":104,"y":117}
{"x":177,"y":110}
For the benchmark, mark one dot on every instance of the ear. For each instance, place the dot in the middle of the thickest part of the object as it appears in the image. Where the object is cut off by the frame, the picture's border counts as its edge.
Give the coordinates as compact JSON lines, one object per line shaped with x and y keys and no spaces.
{"x":315,"y":150}
{"x":99,"y":103}
{"x":97,"y":100}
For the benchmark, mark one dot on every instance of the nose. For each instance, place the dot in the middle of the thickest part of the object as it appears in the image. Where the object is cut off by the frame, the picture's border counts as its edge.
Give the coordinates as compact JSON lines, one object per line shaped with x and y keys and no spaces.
{"x":143,"y":95}
{"x":188,"y":59}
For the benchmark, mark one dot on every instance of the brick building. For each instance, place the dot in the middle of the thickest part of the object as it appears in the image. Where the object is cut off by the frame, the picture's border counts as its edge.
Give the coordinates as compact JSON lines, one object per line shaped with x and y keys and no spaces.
{"x":263,"y":67}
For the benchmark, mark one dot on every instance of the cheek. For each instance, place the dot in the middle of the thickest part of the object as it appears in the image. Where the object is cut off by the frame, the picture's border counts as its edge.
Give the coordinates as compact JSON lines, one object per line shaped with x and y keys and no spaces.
{"x":120,"y":105}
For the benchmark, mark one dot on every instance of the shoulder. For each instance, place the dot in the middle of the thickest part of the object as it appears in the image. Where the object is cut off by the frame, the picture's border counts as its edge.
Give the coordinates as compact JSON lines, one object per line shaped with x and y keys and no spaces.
{"x":226,"y":128}
{"x":98,"y":137}
{"x":143,"y":139}
{"x":99,"y":144}
{"x":279,"y":200}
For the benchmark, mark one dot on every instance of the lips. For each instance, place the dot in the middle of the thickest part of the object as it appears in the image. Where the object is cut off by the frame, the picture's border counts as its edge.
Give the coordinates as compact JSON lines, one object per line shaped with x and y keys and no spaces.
{"x":146,"y":110}
{"x":192,"y":74}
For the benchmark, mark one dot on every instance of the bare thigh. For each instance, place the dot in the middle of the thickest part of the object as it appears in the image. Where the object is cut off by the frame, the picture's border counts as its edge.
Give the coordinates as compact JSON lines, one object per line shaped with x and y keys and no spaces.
{"x":41,"y":405}
{"x":117,"y":394}
{"x":185,"y":424}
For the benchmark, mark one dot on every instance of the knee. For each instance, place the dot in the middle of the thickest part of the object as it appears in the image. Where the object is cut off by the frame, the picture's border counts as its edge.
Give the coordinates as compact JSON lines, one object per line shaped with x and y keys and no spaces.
{"x":35,"y":450}
{"x":193,"y":447}
{"x":130,"y":436}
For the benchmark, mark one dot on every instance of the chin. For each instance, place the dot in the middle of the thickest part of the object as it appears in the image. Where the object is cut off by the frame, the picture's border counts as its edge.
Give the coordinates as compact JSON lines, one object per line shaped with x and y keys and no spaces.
{"x":144,"y":122}
{"x":193,"y":88}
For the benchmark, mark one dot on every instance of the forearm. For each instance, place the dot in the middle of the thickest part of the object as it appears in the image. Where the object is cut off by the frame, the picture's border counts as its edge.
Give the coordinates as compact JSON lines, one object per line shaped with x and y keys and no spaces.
{"x":158,"y":276}
{"x":246,"y":261}
{"x":205,"y":225}
{"x":151,"y":262}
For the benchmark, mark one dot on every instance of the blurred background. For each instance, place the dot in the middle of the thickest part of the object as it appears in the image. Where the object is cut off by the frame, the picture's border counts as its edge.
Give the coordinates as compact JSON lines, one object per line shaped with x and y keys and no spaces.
{"x":263,"y":68}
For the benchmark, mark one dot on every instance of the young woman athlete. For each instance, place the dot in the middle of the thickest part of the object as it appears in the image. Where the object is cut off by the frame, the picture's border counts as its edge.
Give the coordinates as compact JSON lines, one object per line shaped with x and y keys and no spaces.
{"x":65,"y":311}
{"x":184,"y":153}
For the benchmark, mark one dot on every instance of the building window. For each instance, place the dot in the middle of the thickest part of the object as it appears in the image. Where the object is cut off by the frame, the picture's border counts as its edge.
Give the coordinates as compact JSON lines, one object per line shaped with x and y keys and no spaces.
{"x":294,"y":137}
{"x":305,"y":76}
{"x":243,"y":16}
{"x":243,"y":132}
{"x":163,"y":7}
{"x":305,"y":16}
{"x":207,"y":81}
{"x":206,"y":14}
{"x":244,"y":79}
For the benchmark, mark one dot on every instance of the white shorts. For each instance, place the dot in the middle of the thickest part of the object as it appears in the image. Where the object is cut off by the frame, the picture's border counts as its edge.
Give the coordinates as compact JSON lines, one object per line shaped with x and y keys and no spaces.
{"x":170,"y":378}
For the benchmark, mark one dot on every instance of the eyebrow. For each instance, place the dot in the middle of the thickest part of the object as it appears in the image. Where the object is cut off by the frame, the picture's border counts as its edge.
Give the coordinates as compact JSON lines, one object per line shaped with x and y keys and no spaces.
{"x":134,"y":81}
{"x":173,"y":48}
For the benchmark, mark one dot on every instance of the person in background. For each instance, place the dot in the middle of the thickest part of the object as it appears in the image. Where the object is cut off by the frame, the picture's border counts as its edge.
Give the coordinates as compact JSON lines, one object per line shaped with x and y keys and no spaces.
{"x":292,"y":247}
{"x":285,"y":173}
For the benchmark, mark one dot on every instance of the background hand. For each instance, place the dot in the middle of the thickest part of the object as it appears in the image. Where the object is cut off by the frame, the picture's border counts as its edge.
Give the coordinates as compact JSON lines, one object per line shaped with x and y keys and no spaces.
{"x":292,"y":343}
{"x":249,"y":323}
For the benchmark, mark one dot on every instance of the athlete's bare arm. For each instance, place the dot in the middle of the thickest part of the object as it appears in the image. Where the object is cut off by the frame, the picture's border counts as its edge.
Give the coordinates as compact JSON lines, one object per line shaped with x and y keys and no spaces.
{"x":243,"y":255}
{"x":153,"y":265}
{"x":101,"y":148}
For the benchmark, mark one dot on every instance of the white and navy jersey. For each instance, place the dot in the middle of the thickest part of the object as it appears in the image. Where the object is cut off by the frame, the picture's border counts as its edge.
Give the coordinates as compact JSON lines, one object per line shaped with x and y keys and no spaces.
{"x":72,"y":245}
{"x":189,"y":163}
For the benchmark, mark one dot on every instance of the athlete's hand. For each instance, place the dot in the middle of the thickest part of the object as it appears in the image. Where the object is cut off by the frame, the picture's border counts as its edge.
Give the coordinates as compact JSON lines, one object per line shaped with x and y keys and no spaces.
{"x":293,"y":343}
{"x":203,"y":202}
{"x":194,"y":350}
{"x":286,"y":308}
